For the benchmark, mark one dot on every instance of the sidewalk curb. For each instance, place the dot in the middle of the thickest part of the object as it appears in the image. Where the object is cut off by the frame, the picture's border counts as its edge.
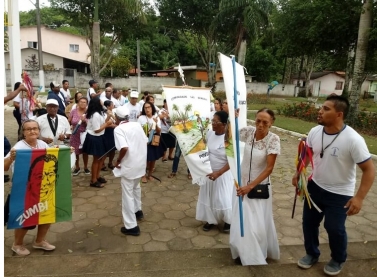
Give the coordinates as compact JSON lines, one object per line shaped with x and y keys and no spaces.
{"x":249,"y":121}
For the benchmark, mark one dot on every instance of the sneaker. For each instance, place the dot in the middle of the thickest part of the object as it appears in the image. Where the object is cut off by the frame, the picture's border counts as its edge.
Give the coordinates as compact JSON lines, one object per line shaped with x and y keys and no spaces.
{"x":139,"y":214}
{"x":307,"y":262}
{"x":333,"y":268}
{"x":87,"y":171}
{"x":132,"y":232}
{"x":44,"y":245}
{"x":207,"y":227}
{"x":20,"y":250}
{"x":76,"y":172}
{"x":226,"y":228}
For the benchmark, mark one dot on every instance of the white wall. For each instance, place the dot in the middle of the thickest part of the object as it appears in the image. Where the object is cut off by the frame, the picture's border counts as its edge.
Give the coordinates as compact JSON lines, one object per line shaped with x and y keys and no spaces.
{"x":56,"y":42}
{"x":261,"y":88}
{"x":26,"y":53}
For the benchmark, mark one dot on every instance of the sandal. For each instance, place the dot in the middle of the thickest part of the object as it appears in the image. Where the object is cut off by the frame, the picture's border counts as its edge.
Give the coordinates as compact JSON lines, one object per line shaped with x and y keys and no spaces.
{"x":96,"y":185}
{"x":171,"y":159}
{"x":144,"y":179}
{"x":164,"y":160}
{"x":102,"y":180}
{"x":189,"y":176}
{"x":104,"y":168}
{"x":110,"y":166}
{"x":172,"y":175}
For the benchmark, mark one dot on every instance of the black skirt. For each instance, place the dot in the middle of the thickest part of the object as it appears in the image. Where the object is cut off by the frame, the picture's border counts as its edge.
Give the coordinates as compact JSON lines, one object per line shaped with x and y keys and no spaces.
{"x":108,"y":139}
{"x":154,"y":153}
{"x":94,"y":145}
{"x":168,"y":139}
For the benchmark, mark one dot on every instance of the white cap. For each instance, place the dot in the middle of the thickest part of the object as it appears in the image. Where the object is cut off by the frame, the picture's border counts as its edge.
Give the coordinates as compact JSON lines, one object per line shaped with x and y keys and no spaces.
{"x":52,"y":102}
{"x":122,"y":111}
{"x":55,"y":84}
{"x":134,"y":94}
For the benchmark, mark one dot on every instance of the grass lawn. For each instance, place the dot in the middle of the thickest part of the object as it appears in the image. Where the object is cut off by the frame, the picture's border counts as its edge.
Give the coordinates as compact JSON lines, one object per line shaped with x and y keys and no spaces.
{"x":303,"y":127}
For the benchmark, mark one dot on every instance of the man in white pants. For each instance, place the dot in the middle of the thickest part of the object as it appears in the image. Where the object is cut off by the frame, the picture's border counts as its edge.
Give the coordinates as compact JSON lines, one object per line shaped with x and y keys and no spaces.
{"x":131,"y":142}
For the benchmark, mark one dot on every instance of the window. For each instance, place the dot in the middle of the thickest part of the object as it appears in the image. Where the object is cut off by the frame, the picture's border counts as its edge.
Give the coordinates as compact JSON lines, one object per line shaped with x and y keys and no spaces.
{"x":74,"y":48}
{"x":339,"y":86}
{"x":32,"y":44}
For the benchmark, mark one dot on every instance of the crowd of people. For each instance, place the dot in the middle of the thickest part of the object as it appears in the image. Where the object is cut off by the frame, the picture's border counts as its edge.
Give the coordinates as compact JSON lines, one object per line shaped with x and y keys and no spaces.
{"x":102,"y":122}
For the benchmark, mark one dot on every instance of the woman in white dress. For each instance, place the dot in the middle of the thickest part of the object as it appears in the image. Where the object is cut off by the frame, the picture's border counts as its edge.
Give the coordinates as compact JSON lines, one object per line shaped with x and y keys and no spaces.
{"x":260,"y":239}
{"x":215,"y":197}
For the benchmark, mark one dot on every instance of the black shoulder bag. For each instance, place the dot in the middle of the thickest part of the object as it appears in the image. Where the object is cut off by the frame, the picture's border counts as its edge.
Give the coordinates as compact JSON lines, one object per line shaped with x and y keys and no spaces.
{"x":260,"y":191}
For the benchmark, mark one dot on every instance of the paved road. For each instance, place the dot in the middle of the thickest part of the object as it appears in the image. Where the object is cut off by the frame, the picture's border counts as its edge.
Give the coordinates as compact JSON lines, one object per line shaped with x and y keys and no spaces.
{"x":169,"y":209}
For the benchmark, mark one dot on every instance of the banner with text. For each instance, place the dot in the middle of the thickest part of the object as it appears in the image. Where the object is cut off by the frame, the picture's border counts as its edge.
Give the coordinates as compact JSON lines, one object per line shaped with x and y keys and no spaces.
{"x":190,"y":114}
{"x":229,"y":81}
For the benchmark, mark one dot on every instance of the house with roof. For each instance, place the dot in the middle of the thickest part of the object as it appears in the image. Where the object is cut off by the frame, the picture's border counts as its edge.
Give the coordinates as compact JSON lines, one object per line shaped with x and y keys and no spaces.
{"x":325,"y":83}
{"x":59,"y":50}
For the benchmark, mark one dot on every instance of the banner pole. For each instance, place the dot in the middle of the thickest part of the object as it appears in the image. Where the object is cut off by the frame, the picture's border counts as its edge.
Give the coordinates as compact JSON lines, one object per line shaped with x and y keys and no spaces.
{"x":237,"y":143}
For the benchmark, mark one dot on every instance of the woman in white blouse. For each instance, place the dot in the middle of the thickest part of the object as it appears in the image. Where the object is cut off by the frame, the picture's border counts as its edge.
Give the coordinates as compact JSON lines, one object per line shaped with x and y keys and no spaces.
{"x":97,"y":122}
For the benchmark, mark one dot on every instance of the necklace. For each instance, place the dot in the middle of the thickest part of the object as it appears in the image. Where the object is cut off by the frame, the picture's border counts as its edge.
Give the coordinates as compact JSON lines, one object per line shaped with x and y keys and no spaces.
{"x":323,"y":133}
{"x":32,"y":147}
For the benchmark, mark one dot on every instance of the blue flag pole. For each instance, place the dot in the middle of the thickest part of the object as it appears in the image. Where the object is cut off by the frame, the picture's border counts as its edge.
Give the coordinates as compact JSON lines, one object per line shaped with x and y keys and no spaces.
{"x":237,"y":143}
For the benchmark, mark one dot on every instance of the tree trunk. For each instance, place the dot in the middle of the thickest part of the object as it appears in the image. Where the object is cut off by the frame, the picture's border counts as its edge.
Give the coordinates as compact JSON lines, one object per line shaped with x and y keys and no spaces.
{"x":349,"y":71}
{"x":242,"y":52}
{"x":95,"y":62}
{"x":360,"y":58}
{"x":308,"y":72}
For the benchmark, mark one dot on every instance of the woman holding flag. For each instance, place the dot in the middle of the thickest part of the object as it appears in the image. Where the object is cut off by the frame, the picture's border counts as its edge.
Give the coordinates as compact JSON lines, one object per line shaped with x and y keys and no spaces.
{"x":30,"y":134}
{"x":260,"y":239}
{"x":215,"y":197}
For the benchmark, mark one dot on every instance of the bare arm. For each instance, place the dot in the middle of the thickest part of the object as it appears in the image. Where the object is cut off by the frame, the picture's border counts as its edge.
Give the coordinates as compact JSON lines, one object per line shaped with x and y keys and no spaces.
{"x":216,"y":174}
{"x":355,"y":203}
{"x":13,"y":94}
{"x":271,"y":159}
{"x":122,"y":153}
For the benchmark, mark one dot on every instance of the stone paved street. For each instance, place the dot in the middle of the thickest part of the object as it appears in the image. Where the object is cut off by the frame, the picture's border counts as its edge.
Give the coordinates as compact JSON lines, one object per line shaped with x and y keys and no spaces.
{"x":169,"y":212}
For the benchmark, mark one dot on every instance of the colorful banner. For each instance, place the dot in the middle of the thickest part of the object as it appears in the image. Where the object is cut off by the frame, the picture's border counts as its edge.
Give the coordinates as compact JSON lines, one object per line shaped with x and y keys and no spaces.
{"x":41,"y":188}
{"x":227,"y":70}
{"x":190,"y":114}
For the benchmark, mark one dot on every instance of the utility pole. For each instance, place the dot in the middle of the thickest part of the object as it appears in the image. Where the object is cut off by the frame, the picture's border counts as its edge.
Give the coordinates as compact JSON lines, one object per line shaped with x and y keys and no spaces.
{"x":40,"y":55}
{"x":138,"y":66}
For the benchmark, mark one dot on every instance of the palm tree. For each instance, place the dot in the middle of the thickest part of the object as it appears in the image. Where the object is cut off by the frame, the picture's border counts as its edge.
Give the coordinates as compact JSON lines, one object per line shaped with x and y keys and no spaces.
{"x":360,"y":57}
{"x":252,"y":16}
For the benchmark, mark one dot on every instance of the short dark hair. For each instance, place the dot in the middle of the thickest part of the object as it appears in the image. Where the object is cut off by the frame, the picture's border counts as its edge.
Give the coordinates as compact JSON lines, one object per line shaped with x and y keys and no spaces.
{"x":149,"y":98}
{"x":108,"y":85}
{"x":223,"y":116}
{"x":107,"y":103}
{"x":146,"y":93}
{"x":153,"y":108}
{"x":266,"y":110}
{"x":341,"y":104}
{"x":17,"y":85}
{"x":76,"y":98}
{"x":64,"y":81}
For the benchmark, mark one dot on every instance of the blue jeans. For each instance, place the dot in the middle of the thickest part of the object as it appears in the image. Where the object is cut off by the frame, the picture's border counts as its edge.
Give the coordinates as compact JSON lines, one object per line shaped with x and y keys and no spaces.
{"x":332,"y":206}
{"x":177,"y":156}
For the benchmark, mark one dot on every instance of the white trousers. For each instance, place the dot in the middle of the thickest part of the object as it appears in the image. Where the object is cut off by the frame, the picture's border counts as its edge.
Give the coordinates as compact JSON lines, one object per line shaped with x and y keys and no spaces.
{"x":131,"y":201}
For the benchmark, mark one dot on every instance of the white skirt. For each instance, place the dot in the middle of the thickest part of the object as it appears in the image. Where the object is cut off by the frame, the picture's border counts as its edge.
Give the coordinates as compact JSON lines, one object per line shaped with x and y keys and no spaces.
{"x":260,"y":238}
{"x":215,"y":200}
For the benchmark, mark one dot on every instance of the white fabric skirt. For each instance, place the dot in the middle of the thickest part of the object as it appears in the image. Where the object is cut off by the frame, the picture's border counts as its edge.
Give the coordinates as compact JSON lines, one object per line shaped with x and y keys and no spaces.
{"x":215,"y":200}
{"x":260,"y":238}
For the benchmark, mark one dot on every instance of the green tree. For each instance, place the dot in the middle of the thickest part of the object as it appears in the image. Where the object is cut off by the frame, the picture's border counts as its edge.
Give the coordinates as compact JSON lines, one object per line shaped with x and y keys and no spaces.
{"x":115,"y":18}
{"x":365,"y":25}
{"x":252,"y":18}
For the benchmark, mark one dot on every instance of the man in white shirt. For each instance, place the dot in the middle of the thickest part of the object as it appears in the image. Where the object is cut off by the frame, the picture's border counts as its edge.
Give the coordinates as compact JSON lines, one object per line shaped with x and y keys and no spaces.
{"x":54,"y":128}
{"x":106,"y":95}
{"x":131,"y":142}
{"x":117,"y":98}
{"x":336,"y":150}
{"x":66,"y":92}
{"x":92,"y":91}
{"x":133,"y":107}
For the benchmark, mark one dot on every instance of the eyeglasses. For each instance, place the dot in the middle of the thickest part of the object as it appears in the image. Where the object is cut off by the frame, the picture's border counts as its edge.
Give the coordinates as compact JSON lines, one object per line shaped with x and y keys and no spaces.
{"x":31,"y":129}
{"x":214,"y":122}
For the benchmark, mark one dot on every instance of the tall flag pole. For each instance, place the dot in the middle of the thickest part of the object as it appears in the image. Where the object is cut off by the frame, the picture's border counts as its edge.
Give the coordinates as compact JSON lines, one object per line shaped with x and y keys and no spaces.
{"x":237,"y":143}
